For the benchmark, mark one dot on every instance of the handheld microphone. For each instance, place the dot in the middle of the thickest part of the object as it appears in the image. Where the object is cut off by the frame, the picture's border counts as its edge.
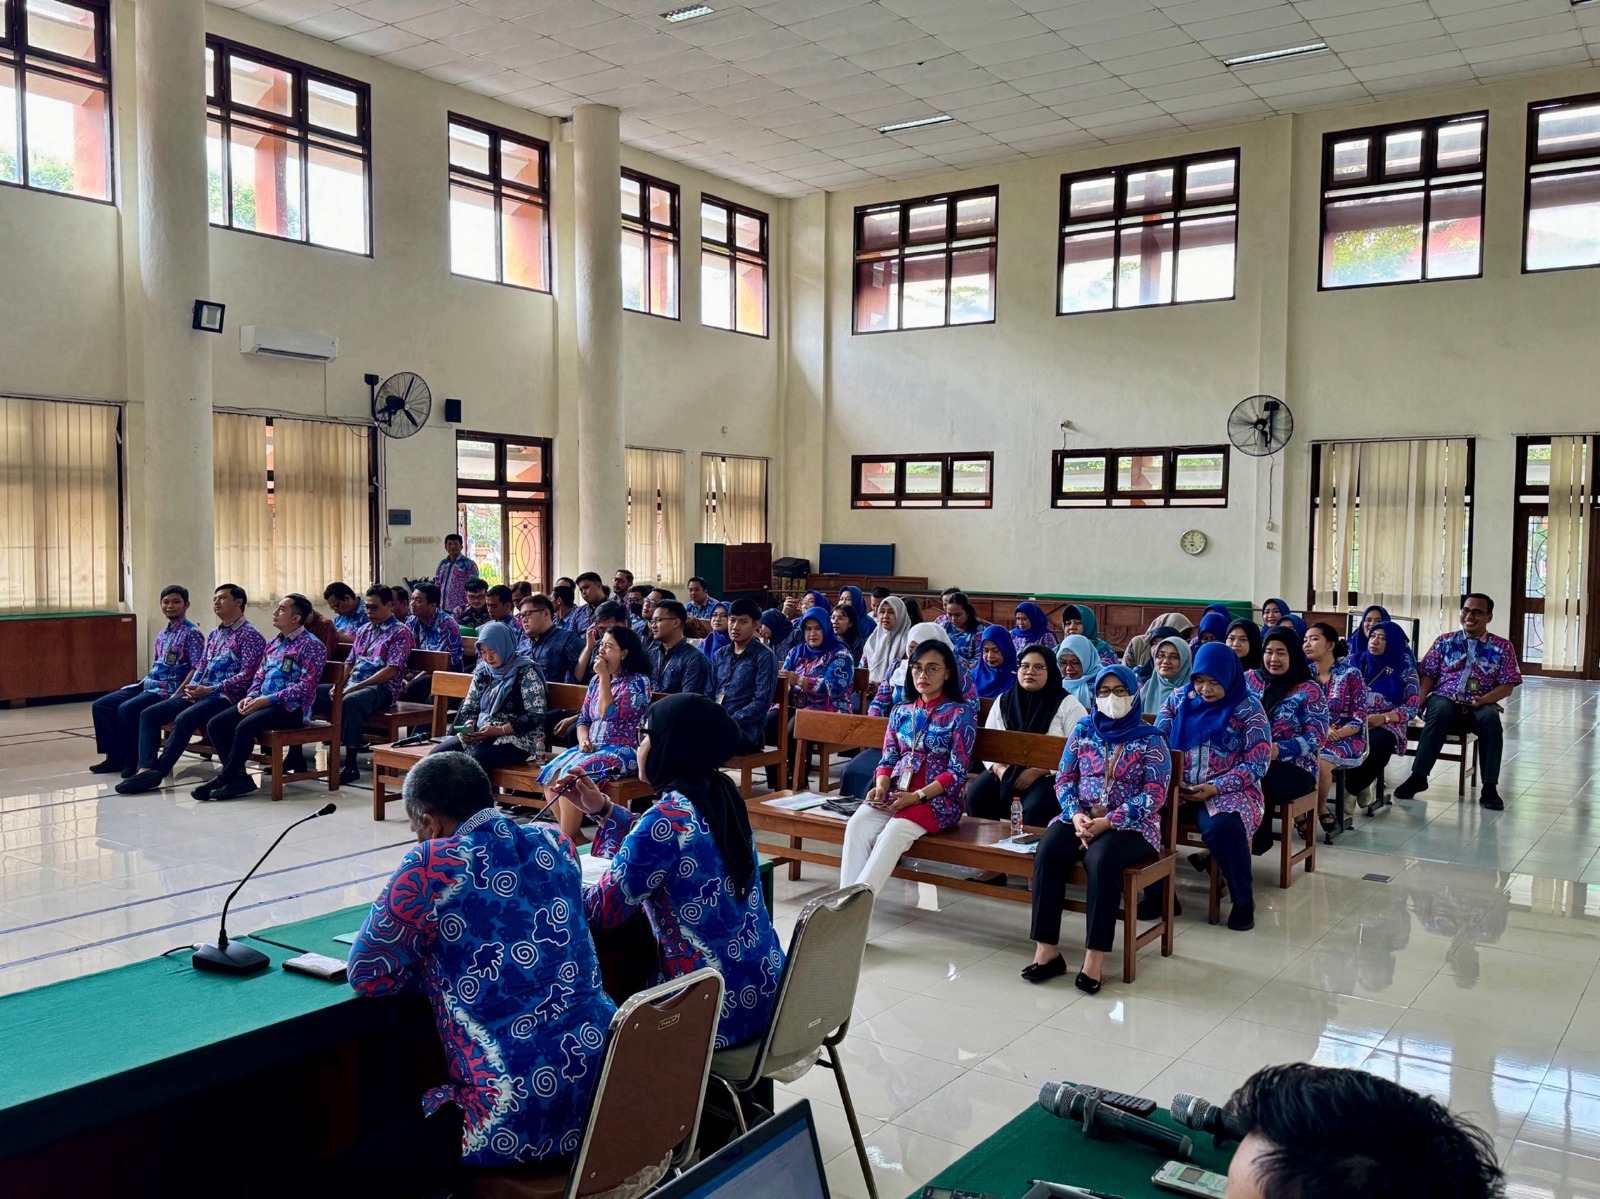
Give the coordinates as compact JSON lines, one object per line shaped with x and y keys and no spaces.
{"x":229,"y":957}
{"x":1067,"y":1102}
{"x":1194,"y":1112}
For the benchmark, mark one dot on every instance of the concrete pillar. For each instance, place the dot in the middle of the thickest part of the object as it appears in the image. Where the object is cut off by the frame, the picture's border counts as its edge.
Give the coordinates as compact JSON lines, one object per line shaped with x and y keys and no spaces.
{"x":597,"y":262}
{"x":170,"y":372}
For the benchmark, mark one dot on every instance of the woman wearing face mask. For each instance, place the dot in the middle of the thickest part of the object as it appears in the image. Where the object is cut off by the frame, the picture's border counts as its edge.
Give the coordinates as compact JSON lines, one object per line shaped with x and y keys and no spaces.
{"x":897,"y":688}
{"x":1079,"y":664}
{"x":1031,"y":628}
{"x":1346,"y":694}
{"x":1171,"y":667}
{"x":1226,"y":744}
{"x":1299,"y":716}
{"x":1079,"y":620}
{"x":918,"y":785}
{"x":887,"y":645}
{"x":847,"y":628}
{"x":1393,"y":696}
{"x":1035,"y":703}
{"x":1112,"y":783}
{"x":1244,"y":639}
{"x":820,"y":671}
{"x":997,"y":663}
{"x":1137,"y":653}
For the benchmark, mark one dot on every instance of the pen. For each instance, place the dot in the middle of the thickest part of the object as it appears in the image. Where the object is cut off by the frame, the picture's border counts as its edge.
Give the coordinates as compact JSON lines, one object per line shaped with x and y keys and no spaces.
{"x":1063,"y":1190}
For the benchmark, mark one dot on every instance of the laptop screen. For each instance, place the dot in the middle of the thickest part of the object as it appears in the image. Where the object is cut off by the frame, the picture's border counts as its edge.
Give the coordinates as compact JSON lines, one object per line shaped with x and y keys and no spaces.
{"x":777,"y":1159}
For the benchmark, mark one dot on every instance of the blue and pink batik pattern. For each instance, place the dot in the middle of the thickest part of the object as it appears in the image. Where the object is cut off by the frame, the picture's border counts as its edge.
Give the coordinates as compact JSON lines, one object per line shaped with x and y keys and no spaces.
{"x":180,"y":648}
{"x":377,"y":646}
{"x":290,"y":671}
{"x":1235,"y":763}
{"x":1140,"y":775}
{"x":926,"y":744}
{"x":233,"y":652}
{"x":1299,"y":722}
{"x":615,"y":733}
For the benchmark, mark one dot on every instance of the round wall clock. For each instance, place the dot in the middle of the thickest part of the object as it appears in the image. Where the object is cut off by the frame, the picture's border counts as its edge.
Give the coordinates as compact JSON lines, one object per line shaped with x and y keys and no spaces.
{"x":1193,"y":541}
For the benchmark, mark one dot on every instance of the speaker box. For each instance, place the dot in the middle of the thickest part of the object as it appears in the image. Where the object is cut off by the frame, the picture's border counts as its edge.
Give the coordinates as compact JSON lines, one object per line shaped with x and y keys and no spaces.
{"x":792,"y":568}
{"x":452,"y":412}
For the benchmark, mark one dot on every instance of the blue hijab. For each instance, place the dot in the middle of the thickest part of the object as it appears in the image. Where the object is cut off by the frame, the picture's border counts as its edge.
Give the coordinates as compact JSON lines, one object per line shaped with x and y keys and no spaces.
{"x":1038,"y":624}
{"x":1297,"y":623}
{"x":1081,"y":688}
{"x":864,"y":622}
{"x":1358,"y":639}
{"x":830,"y":640}
{"x":779,"y":625}
{"x":503,"y":642}
{"x":1091,"y":625}
{"x":1214,"y":623}
{"x":1130,"y":727}
{"x":1385,"y":673}
{"x":815,"y":599}
{"x":1197,"y":721}
{"x":1283,"y":607}
{"x":992,"y":681}
{"x":715,"y":640}
{"x":1219,"y":607}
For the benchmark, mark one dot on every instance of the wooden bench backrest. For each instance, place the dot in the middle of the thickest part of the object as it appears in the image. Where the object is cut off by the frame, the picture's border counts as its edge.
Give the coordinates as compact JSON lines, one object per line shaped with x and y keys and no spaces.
{"x":428,"y":660}
{"x":1020,"y":749}
{"x":839,"y":728}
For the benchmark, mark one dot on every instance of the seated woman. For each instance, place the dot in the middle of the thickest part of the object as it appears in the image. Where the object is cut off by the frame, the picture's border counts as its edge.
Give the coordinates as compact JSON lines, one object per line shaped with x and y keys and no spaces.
{"x":689,"y":862}
{"x":918,"y":784}
{"x":816,"y":599}
{"x":1346,"y":694}
{"x":964,"y":627}
{"x":777,"y":630}
{"x":887,"y":645}
{"x":821,"y":673}
{"x":1031,"y":627}
{"x":1299,"y":717}
{"x":1244,"y":639}
{"x":1079,"y":620}
{"x":858,"y":604}
{"x":1079,"y":664}
{"x":1112,"y":784}
{"x":718,"y":637}
{"x":1213,"y":628}
{"x":997,"y":663}
{"x":856,"y":778}
{"x":504,"y":707}
{"x":1137,"y":653}
{"x":608,"y":722}
{"x":847,"y":628}
{"x":1272,"y":611}
{"x":1035,"y":703}
{"x":1171,"y":667}
{"x":1374,"y":615}
{"x":1226,"y":743}
{"x":1394,"y":691}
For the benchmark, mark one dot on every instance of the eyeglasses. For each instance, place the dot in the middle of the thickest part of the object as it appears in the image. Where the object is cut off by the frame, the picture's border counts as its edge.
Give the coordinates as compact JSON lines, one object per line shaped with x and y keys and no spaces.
{"x":1122,"y":691}
{"x":926,"y":668}
{"x":1474,"y":611}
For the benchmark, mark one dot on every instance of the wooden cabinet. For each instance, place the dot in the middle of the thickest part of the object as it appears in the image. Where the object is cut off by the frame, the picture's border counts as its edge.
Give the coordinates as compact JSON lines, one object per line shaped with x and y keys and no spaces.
{"x":50,"y":656}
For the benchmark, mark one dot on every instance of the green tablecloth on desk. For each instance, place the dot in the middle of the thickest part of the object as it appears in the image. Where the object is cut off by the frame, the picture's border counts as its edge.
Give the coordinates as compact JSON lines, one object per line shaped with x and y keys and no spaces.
{"x":1038,"y":1145}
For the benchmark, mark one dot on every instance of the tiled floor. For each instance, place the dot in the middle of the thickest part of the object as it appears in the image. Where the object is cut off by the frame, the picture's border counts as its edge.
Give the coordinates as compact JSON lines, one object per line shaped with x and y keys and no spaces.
{"x":1457,"y":953}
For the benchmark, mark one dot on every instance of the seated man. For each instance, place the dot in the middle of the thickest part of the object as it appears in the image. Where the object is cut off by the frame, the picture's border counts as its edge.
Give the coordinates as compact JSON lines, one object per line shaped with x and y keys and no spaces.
{"x":561,"y":597}
{"x":400,"y":603}
{"x":1464,"y":677}
{"x":635,"y":601}
{"x":377,"y":673}
{"x":676,"y":664}
{"x":345,"y":604}
{"x":503,"y":608}
{"x":179,"y":649}
{"x":554,"y":649}
{"x":279,"y":697}
{"x":701,"y":604}
{"x":745,"y":676}
{"x":608,"y":615}
{"x":514,"y":984}
{"x":233,"y":652}
{"x":432,"y":629}
{"x":621,"y":584}
{"x":454,"y":572}
{"x":475,"y":610}
{"x":520,"y":591}
{"x":593,"y":593}
{"x":1296,"y":1122}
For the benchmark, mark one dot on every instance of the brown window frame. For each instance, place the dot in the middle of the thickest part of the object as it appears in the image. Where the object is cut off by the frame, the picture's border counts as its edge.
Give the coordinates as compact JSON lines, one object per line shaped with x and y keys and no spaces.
{"x":735,"y":254}
{"x":297,"y":127}
{"x":17,"y":56}
{"x":495,"y":185}
{"x":1427,"y":179}
{"x":1554,"y":165}
{"x":946,"y":497}
{"x":1169,"y":495}
{"x":907,"y":248}
{"x":501,"y":491}
{"x":653,"y":231}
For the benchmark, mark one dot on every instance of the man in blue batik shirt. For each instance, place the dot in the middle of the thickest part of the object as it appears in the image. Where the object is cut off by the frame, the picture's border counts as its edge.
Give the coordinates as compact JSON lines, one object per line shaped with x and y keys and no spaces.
{"x":554,"y":649}
{"x":433,"y":629}
{"x":676,"y":665}
{"x":179,"y":649}
{"x":745,"y":676}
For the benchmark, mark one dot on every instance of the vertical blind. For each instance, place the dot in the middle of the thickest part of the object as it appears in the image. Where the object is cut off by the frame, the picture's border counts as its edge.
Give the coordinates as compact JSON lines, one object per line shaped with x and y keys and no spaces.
{"x":1571,"y":469}
{"x":655,"y":508}
{"x":243,"y":514}
{"x":60,"y":524}
{"x":734,"y":499}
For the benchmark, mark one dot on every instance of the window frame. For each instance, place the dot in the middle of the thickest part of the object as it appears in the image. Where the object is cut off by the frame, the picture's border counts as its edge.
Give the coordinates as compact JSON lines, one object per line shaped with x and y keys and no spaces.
{"x":1120,"y":213}
{"x":947,"y":498}
{"x":733,"y":254}
{"x":500,"y":491}
{"x":952,"y":200}
{"x":1110,"y":497}
{"x":1533,"y":159}
{"x":220,"y":107}
{"x":1423,"y":179}
{"x":646,"y":228}
{"x":17,"y":56}
{"x":495,"y":186}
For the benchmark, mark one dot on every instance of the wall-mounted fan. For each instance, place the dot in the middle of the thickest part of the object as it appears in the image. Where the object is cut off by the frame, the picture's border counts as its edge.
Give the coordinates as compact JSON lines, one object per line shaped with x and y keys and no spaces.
{"x":401,"y":404}
{"x":1260,"y":425}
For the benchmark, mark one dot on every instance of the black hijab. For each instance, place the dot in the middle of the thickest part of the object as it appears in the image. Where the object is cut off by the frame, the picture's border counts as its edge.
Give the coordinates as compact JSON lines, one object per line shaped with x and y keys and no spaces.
{"x":1252,"y":632}
{"x":1279,"y":685}
{"x":1032,"y":711}
{"x":690,"y":737}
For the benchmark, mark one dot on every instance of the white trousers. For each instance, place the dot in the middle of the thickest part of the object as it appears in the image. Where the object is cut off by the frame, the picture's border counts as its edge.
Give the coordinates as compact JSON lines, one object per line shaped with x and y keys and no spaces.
{"x":873,"y":842}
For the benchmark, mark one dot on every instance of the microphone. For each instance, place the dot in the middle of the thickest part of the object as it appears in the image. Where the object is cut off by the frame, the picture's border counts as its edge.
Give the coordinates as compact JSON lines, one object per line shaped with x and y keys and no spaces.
{"x":1067,"y":1102}
{"x":223,"y":956}
{"x":1194,"y":1112}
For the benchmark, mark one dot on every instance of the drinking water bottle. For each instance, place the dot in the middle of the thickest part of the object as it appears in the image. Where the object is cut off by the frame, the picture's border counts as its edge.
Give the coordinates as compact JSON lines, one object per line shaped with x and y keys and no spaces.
{"x":1016,"y":818}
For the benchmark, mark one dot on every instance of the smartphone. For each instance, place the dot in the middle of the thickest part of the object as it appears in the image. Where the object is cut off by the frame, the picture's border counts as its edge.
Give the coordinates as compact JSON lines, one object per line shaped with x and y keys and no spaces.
{"x":1190,"y":1180}
{"x":933,"y":1192}
{"x":462,"y":730}
{"x":1025,"y":839}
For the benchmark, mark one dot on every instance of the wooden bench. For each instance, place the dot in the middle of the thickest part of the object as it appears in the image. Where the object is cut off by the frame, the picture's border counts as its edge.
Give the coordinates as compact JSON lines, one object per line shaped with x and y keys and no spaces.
{"x":403,"y":715}
{"x":972,"y":844}
{"x":1288,"y":856}
{"x":746,"y":764}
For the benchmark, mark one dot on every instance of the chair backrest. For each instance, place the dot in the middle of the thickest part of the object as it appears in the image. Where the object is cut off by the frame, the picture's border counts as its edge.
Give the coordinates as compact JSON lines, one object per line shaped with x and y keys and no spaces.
{"x":447,"y":684}
{"x":646,"y":1102}
{"x":428,"y":660}
{"x":781,"y":698}
{"x":862,"y":689}
{"x":336,"y":674}
{"x":564,"y":697}
{"x":813,"y":726}
{"x":983,"y":710}
{"x":1169,"y":810}
{"x":1019,"y":749}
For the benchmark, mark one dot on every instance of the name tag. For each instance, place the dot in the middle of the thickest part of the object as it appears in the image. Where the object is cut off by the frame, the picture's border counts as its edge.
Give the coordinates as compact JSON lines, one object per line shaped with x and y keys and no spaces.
{"x":722,"y":695}
{"x":289,"y":668}
{"x":905,"y":776}
{"x":172,"y":658}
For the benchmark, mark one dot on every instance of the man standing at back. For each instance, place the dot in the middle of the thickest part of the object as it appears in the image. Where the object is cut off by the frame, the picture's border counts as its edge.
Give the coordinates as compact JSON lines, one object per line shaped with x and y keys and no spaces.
{"x":745,"y":676}
{"x":179,"y":650}
{"x":454,"y":571}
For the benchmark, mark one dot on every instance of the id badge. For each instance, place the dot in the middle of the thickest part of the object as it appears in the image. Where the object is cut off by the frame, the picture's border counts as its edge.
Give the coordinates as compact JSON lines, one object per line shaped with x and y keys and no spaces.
{"x":289,"y":668}
{"x":905,"y":777}
{"x":172,"y":657}
{"x":721,"y":696}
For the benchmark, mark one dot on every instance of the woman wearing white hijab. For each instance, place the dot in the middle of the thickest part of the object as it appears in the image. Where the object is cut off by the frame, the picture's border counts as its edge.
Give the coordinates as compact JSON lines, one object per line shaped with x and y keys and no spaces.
{"x":887,"y":644}
{"x":1139,"y":648}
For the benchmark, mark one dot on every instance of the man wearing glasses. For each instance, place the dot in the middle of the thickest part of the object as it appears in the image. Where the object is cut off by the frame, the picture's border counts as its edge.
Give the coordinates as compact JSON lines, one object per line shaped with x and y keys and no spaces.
{"x":1464,"y":677}
{"x":676,"y":665}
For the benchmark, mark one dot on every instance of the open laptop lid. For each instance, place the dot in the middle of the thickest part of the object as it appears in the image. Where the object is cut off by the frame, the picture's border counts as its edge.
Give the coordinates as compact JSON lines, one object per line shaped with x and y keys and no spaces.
{"x":777,"y":1159}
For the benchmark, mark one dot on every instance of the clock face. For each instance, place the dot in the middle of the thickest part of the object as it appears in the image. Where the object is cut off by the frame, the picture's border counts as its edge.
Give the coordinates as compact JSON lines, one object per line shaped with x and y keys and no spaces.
{"x":1192,"y":542}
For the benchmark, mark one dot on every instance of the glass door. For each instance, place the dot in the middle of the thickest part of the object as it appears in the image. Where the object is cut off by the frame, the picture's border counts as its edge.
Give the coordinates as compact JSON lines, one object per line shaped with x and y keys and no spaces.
{"x":1552,"y":626}
{"x":503,"y":504}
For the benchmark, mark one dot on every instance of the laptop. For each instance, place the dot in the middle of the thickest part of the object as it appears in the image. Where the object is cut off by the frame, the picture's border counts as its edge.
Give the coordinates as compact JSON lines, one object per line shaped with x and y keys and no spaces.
{"x":777,"y":1159}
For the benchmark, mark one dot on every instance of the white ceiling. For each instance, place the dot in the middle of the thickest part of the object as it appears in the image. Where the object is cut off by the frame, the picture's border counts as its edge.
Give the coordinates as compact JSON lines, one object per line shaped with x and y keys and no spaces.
{"x":786,"y":95}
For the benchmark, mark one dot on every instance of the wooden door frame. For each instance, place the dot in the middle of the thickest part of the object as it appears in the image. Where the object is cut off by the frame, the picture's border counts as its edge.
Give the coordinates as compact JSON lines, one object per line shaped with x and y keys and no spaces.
{"x":1519,"y":605}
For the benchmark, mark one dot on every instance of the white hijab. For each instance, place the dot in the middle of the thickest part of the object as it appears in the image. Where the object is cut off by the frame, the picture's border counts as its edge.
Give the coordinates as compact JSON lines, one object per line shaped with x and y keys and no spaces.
{"x":883,"y":648}
{"x":920,"y":635}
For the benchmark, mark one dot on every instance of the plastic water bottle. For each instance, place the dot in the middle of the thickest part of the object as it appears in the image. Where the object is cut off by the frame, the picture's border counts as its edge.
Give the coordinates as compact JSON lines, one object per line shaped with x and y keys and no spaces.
{"x":1016,"y":818}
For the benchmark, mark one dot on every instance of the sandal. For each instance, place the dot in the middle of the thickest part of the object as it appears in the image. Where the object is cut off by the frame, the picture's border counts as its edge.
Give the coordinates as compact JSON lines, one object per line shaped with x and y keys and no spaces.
{"x":1302,"y":825}
{"x":1328,"y":821}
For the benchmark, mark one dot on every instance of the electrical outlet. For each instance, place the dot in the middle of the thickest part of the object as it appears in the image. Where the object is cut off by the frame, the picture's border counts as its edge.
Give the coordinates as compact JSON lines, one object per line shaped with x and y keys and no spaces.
{"x":1272,"y":545}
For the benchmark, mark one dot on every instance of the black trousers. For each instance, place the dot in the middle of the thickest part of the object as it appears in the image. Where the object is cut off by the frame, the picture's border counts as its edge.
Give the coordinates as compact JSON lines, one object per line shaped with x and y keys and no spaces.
{"x":1441,"y":716}
{"x":489,"y":754}
{"x":234,"y":735}
{"x":788,"y":767}
{"x":358,"y":705}
{"x":1283,"y":781}
{"x":1224,"y":837}
{"x":414,"y":1156}
{"x":855,"y":780}
{"x":116,"y":721}
{"x":1107,"y":857}
{"x":186,"y":719}
{"x":419,"y":690}
{"x":989,"y":798}
{"x":1382,"y":745}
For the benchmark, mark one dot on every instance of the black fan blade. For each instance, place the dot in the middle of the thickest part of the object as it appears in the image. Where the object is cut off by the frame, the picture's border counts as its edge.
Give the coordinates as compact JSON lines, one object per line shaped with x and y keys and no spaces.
{"x":406,"y":412}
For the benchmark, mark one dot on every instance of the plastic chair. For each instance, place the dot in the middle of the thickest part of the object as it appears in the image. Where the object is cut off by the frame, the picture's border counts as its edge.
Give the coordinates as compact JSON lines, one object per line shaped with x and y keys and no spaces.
{"x":812,"y":1013}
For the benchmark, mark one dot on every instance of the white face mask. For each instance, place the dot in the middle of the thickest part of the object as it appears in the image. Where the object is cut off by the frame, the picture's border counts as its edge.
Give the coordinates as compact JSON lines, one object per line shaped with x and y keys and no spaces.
{"x":1114,"y":706}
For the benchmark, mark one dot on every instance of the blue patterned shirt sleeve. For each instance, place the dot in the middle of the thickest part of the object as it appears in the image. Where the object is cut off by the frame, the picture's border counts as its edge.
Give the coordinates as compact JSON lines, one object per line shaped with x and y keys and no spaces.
{"x":179,"y":649}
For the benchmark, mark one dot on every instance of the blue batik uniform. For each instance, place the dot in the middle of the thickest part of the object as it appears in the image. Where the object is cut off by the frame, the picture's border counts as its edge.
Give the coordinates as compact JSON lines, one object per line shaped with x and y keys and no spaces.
{"x":744,"y":686}
{"x":180,"y":648}
{"x":443,"y":636}
{"x":679,"y":670}
{"x":351,"y":625}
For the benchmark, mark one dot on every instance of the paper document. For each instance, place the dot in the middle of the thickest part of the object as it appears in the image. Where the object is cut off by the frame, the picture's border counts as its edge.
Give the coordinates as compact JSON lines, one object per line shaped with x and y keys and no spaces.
{"x":593,"y":867}
{"x":801,"y":801}
{"x":1011,"y":844}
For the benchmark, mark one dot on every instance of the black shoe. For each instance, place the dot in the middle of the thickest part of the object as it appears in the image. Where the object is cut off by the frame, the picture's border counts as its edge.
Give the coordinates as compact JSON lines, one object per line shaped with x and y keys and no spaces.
{"x":145,"y":780}
{"x":131,"y":769}
{"x":294,"y":761}
{"x":233,"y":790}
{"x":1242,"y":918}
{"x":1414,"y":785}
{"x":204,"y":790}
{"x":1200,"y":861}
{"x":1150,"y":908}
{"x":107,"y":766}
{"x":350,"y":774}
{"x":1037,"y":972}
{"x":1490,"y":798}
{"x":1086,"y":984}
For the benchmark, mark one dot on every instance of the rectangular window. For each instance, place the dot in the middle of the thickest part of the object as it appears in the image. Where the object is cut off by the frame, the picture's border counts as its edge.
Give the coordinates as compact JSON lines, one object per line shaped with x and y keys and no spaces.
{"x":654,"y":545}
{"x":503,"y":506}
{"x":1193,"y":476}
{"x":734,"y":495}
{"x":733,"y":267}
{"x":1153,"y":233}
{"x":499,"y":205}
{"x":289,"y":149}
{"x":1562,"y":226}
{"x":927,"y":263}
{"x":649,"y":245}
{"x":922,"y":481}
{"x":55,"y":96}
{"x":1404,"y":203}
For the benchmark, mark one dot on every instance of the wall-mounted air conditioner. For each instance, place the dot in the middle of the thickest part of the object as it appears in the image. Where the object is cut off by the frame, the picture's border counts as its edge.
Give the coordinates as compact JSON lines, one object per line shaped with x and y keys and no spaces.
{"x":287,"y":343}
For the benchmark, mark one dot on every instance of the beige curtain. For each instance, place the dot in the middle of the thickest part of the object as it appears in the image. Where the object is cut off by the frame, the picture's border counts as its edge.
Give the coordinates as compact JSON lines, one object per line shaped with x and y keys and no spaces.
{"x":1413,"y":529}
{"x":243,"y":515}
{"x":734,"y":499}
{"x":1571,"y":467}
{"x":1336,"y":521}
{"x":654,"y":541}
{"x":60,"y":526}
{"x":322,"y":522}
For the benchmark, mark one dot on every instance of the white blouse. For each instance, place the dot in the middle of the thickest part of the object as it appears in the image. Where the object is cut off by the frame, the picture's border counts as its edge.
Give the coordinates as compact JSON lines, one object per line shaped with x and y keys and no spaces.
{"x":1061,"y":724}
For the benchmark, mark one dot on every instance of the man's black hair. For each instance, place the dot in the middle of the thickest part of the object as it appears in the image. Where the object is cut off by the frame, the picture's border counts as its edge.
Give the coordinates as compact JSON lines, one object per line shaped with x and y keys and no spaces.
{"x":338,"y":591}
{"x":745,"y":607}
{"x":449,"y":537}
{"x":234,"y":590}
{"x":476,"y":584}
{"x":300,"y":604}
{"x":430,"y":592}
{"x":381,"y":591}
{"x":501,"y":592}
{"x":451,"y":784}
{"x":590,"y":576}
{"x":541,"y":603}
{"x":611,"y":610}
{"x":1472,"y":595}
{"x":562,"y":594}
{"x":673,"y":609}
{"x":174,"y":589}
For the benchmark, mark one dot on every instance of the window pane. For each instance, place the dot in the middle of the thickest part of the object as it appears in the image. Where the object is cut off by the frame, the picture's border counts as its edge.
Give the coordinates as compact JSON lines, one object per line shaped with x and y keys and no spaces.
{"x":1092,"y":197}
{"x":10,"y":167}
{"x":750,"y":298}
{"x":716,"y":289}
{"x":1139,"y":473}
{"x":927,"y":223}
{"x":663,"y":277}
{"x":1079,"y":475}
{"x":1460,"y":145}
{"x":520,"y":164}
{"x":972,"y":285}
{"x":265,"y":178}
{"x":877,"y":296}
{"x":1209,"y":182}
{"x":1350,"y":160}
{"x":1538,"y":465}
{"x":1198,"y":470}
{"x":713,"y":222}
{"x":1570,"y":131}
{"x":337,"y":201}
{"x":259,"y":86}
{"x":524,"y":463}
{"x":1563,"y":221}
{"x":1144,"y":265}
{"x":975,"y":216}
{"x":969,"y":476}
{"x":630,"y":197}
{"x":880,"y":230}
{"x":61,"y":29}
{"x":923,"y":306}
{"x":877,"y":479}
{"x":471,"y":232}
{"x":66,"y":125}
{"x":747,"y":232}
{"x":1455,"y":232}
{"x":475,"y":460}
{"x":333,"y":107}
{"x":1086,"y":271}
{"x":522,"y":239}
{"x":215,"y":206}
{"x":1373,"y":240}
{"x":1205,"y":258}
{"x":211,"y":70}
{"x":469,"y":149}
{"x":925,"y":478}
{"x":1150,"y":189}
{"x":633,"y":297}
{"x":1402,"y":152}
{"x":660,"y":205}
